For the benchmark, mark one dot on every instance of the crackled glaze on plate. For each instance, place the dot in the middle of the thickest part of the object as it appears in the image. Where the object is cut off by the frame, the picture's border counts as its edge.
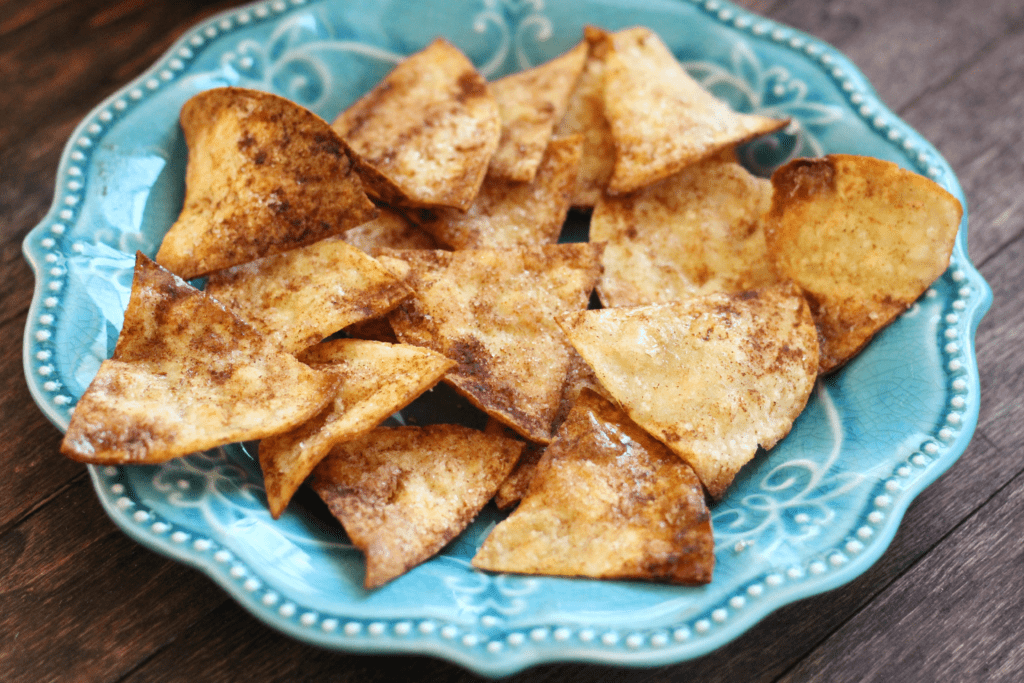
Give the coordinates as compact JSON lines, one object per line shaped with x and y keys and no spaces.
{"x":810,"y":515}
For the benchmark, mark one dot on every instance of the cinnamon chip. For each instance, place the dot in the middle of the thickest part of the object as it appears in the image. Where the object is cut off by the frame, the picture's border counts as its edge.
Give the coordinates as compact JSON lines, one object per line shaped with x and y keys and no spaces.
{"x":403,"y":493}
{"x":264,"y":176}
{"x":606,"y":501}
{"x":187,"y":375}
{"x":425,"y":134}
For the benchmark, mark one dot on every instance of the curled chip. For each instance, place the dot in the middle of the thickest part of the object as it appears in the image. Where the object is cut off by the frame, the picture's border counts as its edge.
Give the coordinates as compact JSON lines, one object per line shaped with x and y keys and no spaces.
{"x":515,"y":214}
{"x":375,"y":380}
{"x":424,"y":136}
{"x":187,"y":375}
{"x":863,"y":238}
{"x":531,"y":104}
{"x":264,"y":176}
{"x":492,"y":312}
{"x":402,"y":493}
{"x":606,"y":501}
{"x":695,"y":232}
{"x":303,"y":296}
{"x":585,"y":116}
{"x":661,"y":119}
{"x":712,"y":376}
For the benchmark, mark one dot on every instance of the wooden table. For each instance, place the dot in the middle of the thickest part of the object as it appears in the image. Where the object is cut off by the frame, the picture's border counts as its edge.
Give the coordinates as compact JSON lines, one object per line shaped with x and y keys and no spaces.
{"x":80,"y":601}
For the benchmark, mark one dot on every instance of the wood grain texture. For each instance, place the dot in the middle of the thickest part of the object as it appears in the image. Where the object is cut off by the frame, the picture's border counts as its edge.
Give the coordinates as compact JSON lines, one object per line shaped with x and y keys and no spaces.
{"x":81,"y":601}
{"x":961,"y":595}
{"x":78,"y":599}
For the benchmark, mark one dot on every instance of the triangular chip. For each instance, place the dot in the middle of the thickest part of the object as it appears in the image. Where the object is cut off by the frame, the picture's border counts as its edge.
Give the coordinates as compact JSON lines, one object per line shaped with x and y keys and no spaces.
{"x":390,"y":230}
{"x":607,"y":501}
{"x":515,"y":485}
{"x":493,"y":313}
{"x":264,"y":175}
{"x":187,"y":375}
{"x":863,"y":238}
{"x":695,"y":232}
{"x":712,"y":377}
{"x":375,"y":381}
{"x":514,"y":214}
{"x":585,"y":116}
{"x":425,"y":134}
{"x":531,"y":104}
{"x":403,"y":493}
{"x":662,"y":119}
{"x":305,"y":295}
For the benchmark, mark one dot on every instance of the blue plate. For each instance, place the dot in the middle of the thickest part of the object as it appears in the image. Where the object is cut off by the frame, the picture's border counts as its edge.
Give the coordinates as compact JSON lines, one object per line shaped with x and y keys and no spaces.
{"x":810,"y":515}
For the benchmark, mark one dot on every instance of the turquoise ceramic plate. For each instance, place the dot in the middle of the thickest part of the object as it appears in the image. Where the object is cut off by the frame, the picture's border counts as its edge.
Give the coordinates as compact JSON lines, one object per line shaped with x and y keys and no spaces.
{"x":809,"y":516}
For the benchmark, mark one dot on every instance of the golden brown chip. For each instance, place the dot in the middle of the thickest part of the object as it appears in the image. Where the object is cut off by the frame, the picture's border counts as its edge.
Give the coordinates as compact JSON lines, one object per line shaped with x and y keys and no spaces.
{"x":585,"y":116}
{"x":580,"y":376}
{"x":303,"y":296}
{"x":264,"y":175}
{"x":712,"y":377}
{"x":531,"y":104}
{"x":863,"y":238}
{"x":661,"y":119}
{"x":493,"y":313}
{"x":375,"y":379}
{"x":695,"y":232}
{"x":606,"y":501}
{"x":403,"y":493}
{"x":513,"y":214}
{"x":187,"y":375}
{"x":514,"y":487}
{"x":424,"y":135}
{"x":390,"y":230}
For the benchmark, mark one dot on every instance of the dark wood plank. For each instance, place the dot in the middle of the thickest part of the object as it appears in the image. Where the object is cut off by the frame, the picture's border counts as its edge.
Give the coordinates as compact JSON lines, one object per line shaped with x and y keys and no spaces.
{"x":31,"y":469}
{"x":79,"y":600}
{"x":965,"y":594}
{"x":999,"y":350}
{"x":975,"y":122}
{"x":905,"y":48}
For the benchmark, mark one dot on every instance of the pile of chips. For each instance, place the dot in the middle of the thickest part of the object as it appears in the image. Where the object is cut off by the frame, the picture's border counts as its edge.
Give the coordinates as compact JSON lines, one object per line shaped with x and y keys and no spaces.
{"x":352,"y":266}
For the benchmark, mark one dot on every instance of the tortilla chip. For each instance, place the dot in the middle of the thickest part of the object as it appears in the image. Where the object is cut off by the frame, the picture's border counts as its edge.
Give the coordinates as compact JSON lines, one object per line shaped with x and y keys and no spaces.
{"x":493,"y":313}
{"x":531,"y":104}
{"x":264,"y":176}
{"x":863,"y":238}
{"x":375,"y":380}
{"x":513,"y":214}
{"x":187,"y":375}
{"x":585,"y":116}
{"x":607,"y":501}
{"x":403,"y":493}
{"x":424,"y":135}
{"x":579,"y":377}
{"x":390,"y":230}
{"x":514,"y":487}
{"x":305,"y":295}
{"x":712,"y":377}
{"x":661,"y":119}
{"x":696,"y":232}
